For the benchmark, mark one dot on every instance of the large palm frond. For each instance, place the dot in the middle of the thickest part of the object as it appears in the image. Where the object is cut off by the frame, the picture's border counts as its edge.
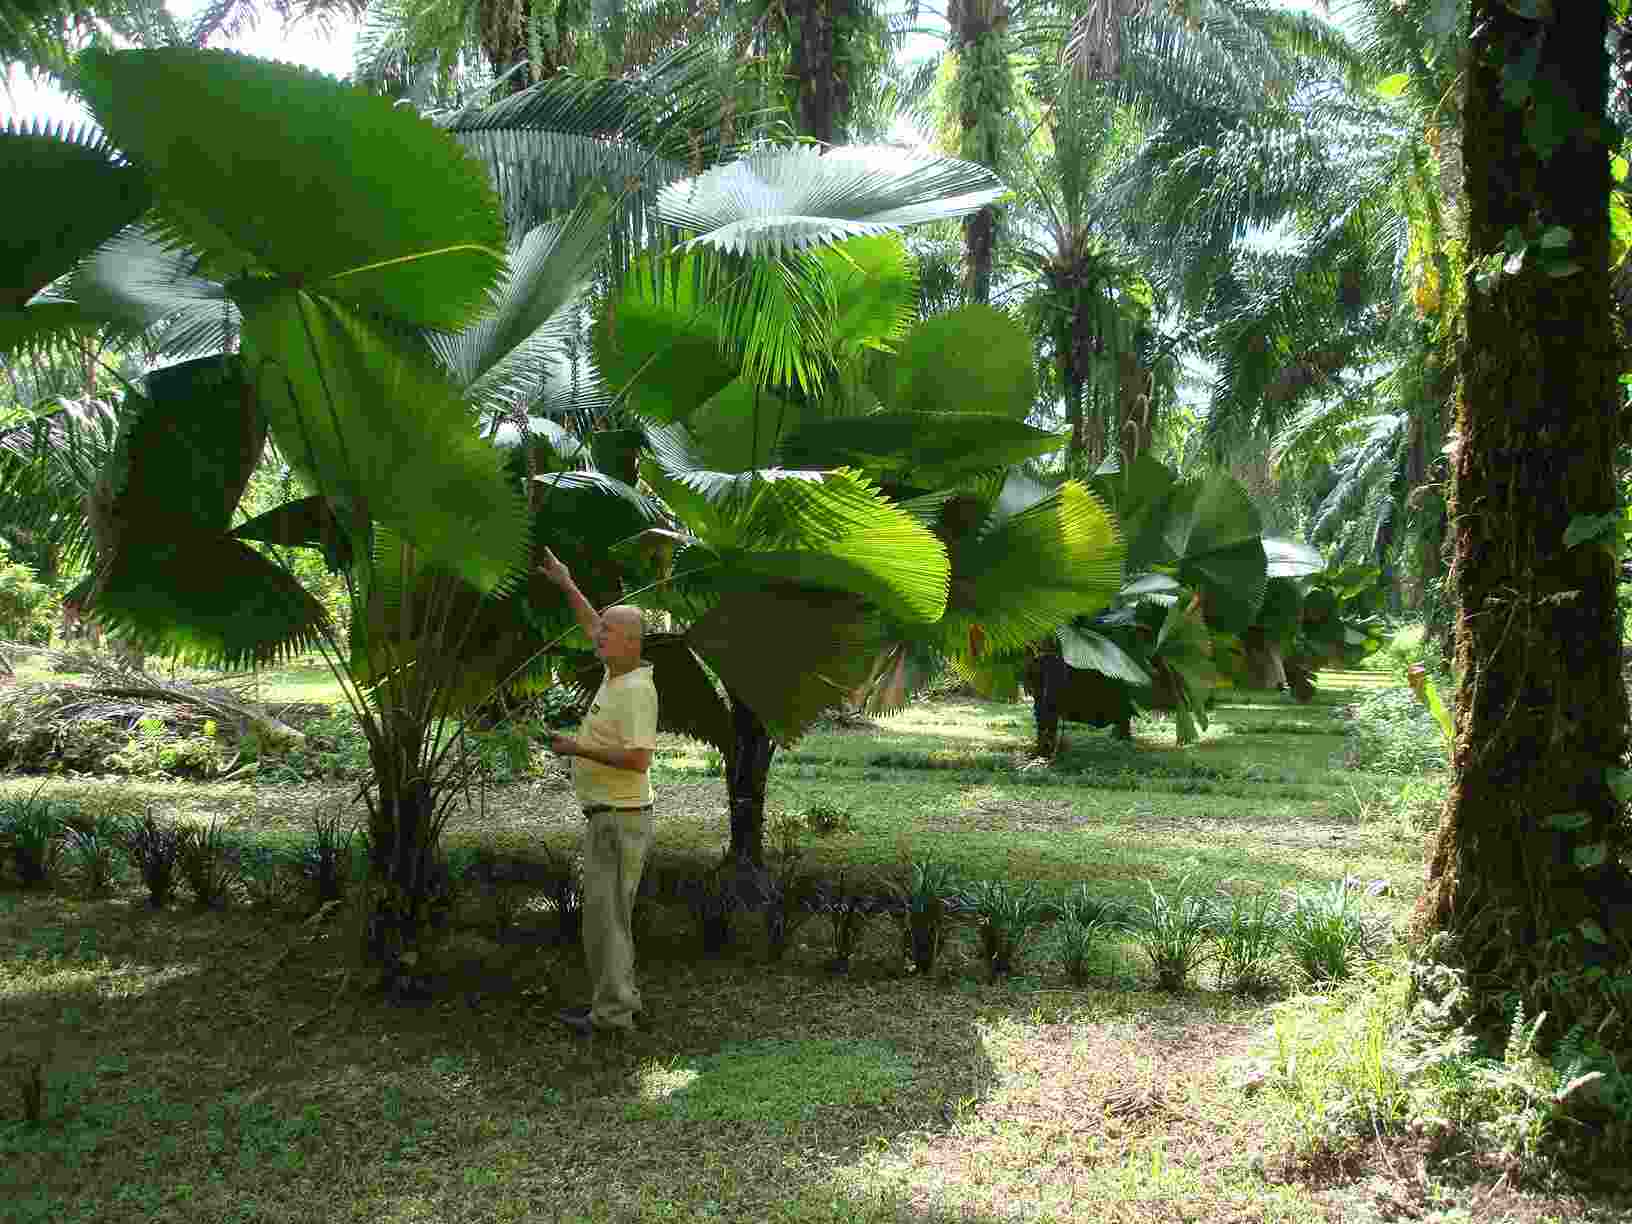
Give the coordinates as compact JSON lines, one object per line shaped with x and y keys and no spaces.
{"x":50,"y":456}
{"x":1360,"y":469}
{"x":245,"y":185}
{"x":544,"y":146}
{"x":515,"y":355}
{"x":774,"y":202}
{"x":148,"y":288}
{"x":821,"y":529}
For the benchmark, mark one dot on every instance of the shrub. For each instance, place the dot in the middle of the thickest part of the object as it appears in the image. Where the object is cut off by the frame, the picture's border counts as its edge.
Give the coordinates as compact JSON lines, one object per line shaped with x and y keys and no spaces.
{"x":325,"y":860}
{"x":1085,"y":925}
{"x":827,"y":819}
{"x":1080,"y":944}
{"x":1006,"y":915}
{"x":154,"y":846}
{"x":209,"y":864}
{"x":25,"y":603}
{"x":155,"y":750}
{"x":1384,"y":1053}
{"x":1391,"y":732}
{"x":1082,"y":907}
{"x":927,"y":896}
{"x":846,"y":910}
{"x":1327,"y":934}
{"x":566,"y":896}
{"x":1248,"y":929}
{"x":31,"y":826}
{"x":1175,"y":933}
{"x":786,"y":909}
{"x":270,"y":878}
{"x":713,"y":903}
{"x":94,"y":854}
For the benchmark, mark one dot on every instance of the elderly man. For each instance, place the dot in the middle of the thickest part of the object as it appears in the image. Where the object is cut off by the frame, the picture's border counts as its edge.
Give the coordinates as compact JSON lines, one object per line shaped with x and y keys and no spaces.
{"x":612,"y":754}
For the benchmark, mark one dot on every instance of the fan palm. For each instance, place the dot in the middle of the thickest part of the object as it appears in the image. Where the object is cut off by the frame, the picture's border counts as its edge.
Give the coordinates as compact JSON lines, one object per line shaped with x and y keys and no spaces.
{"x":756,"y":334}
{"x":421,"y":514}
{"x":937,"y":426}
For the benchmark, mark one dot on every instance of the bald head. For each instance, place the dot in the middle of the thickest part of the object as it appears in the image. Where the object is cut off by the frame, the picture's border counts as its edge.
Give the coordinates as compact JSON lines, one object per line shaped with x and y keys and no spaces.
{"x":617,"y":642}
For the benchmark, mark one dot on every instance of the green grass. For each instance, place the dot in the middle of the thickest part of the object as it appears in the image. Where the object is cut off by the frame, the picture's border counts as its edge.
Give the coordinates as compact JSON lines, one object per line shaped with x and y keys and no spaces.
{"x":206,"y":1066}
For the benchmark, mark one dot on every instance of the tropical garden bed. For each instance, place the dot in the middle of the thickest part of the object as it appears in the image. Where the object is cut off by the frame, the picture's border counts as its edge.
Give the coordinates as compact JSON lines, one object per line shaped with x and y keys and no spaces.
{"x":224,"y":1064}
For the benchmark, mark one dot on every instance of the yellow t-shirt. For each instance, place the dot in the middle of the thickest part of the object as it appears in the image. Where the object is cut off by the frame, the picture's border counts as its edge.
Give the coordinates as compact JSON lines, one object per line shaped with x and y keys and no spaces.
{"x":623,"y":715}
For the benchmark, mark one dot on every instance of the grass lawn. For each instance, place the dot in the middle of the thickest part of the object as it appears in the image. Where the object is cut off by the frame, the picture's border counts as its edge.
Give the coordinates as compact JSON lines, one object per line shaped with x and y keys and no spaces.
{"x":224,"y":1066}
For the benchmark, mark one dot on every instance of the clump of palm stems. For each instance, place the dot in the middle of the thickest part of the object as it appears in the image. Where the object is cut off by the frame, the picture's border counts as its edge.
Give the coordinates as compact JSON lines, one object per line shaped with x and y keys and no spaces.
{"x":1327,"y":934}
{"x":31,"y":826}
{"x":1086,"y":923}
{"x":928,"y":895}
{"x":208,"y":863}
{"x":154,"y":845}
{"x":1175,"y":932}
{"x":326,"y":859}
{"x":1006,"y":915}
{"x":1248,"y":930}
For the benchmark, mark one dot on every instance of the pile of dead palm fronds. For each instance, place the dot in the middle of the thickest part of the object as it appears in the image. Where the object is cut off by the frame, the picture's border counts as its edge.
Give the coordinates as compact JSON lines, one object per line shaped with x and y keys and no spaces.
{"x":103,"y":691}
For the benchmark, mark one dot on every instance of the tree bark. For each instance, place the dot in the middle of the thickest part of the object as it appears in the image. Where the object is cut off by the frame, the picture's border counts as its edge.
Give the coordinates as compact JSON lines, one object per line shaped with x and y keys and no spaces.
{"x":1525,"y":869}
{"x":985,"y":95}
{"x":819,"y":71}
{"x":745,"y":776}
{"x":1046,"y":689}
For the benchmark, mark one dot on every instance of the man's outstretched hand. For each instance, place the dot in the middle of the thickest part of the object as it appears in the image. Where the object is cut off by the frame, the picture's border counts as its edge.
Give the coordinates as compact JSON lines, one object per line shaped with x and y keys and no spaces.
{"x":553,"y":568}
{"x":563,"y":745}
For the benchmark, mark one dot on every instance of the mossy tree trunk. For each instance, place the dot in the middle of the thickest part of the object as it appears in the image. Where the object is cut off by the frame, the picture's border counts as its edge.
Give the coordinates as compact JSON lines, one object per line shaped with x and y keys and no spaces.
{"x":819,"y":63}
{"x":985,"y":97}
{"x":1525,"y":868}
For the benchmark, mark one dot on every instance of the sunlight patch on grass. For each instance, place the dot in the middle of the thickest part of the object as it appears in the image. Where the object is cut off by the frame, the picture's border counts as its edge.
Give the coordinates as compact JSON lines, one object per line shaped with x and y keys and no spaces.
{"x":658,"y":1081}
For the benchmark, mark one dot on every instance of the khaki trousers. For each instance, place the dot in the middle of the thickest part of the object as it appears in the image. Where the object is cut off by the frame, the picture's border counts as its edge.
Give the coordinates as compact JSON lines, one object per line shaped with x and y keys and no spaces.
{"x":615,"y":844}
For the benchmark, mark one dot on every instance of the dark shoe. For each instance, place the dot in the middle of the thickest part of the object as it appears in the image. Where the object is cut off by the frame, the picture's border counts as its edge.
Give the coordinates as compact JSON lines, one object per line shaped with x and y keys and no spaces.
{"x":577,"y":1019}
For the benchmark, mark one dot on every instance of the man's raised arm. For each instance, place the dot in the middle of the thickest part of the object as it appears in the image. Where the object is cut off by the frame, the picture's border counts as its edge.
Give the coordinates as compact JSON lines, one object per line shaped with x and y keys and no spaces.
{"x":558,"y":573}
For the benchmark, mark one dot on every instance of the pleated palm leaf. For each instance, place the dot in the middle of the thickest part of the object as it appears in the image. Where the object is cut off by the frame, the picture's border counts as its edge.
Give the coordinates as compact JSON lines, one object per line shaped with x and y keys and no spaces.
{"x":629,"y":136}
{"x":947,"y":441}
{"x":761,"y":264}
{"x":419,"y":508}
{"x":1200,"y":566}
{"x":50,"y":456}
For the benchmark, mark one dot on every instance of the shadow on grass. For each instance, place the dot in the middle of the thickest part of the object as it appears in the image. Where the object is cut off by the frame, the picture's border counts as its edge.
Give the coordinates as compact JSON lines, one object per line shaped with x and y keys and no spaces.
{"x":207,"y":1066}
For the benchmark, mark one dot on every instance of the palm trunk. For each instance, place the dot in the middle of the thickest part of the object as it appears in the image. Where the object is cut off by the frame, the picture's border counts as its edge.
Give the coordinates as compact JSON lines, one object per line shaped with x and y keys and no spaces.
{"x":745,"y":776}
{"x":508,"y":38}
{"x":985,"y":93}
{"x":1526,"y":868}
{"x":819,"y":69}
{"x":402,"y":864}
{"x":1134,"y":411}
{"x":1048,"y":683}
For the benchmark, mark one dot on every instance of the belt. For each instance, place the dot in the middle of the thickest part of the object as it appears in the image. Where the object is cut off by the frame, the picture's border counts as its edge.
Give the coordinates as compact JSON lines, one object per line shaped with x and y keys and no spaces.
{"x":595,"y":809}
